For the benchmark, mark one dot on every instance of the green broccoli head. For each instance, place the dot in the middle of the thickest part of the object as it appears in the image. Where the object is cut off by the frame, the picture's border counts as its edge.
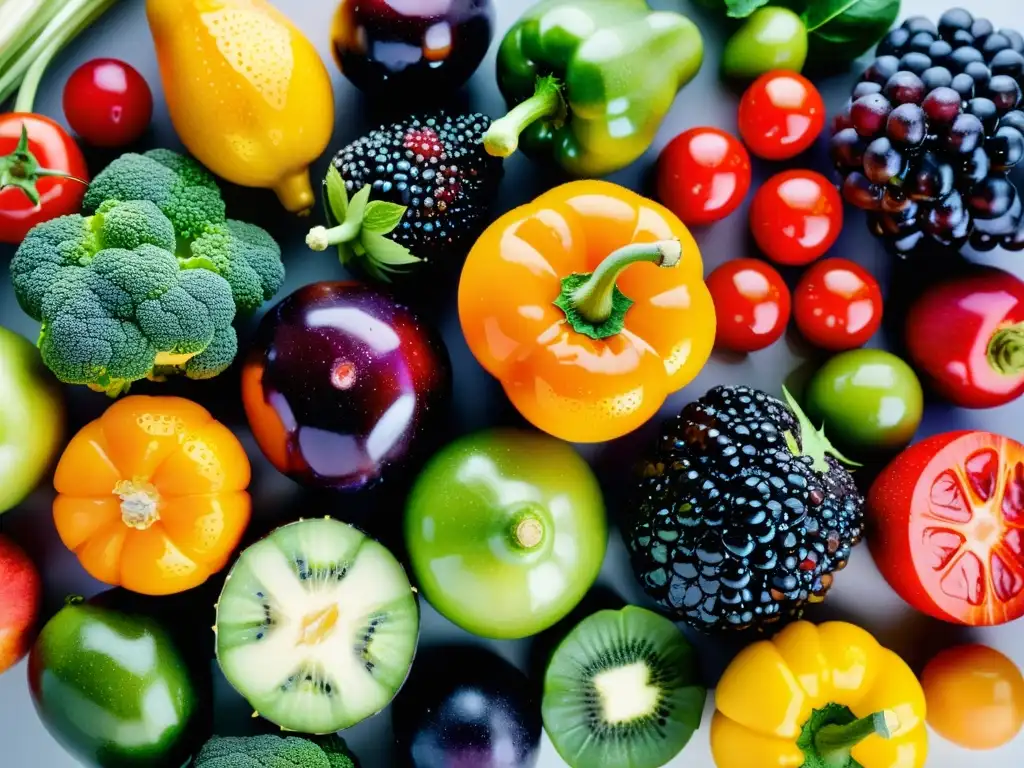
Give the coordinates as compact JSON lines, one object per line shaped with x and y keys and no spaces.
{"x":116,"y":305}
{"x":181,"y":188}
{"x":266,"y":752}
{"x":247,"y":257}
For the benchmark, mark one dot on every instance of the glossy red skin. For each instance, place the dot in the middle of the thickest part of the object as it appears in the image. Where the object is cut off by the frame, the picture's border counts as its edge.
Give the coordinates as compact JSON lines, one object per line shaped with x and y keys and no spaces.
{"x":108,"y":103}
{"x":20,"y":593}
{"x":796,"y":217}
{"x":917,"y":505}
{"x":781,"y":115}
{"x":948,"y":331}
{"x":752,"y":304}
{"x":329,"y":364}
{"x":703,"y":175}
{"x":55,"y":150}
{"x":837,"y":305}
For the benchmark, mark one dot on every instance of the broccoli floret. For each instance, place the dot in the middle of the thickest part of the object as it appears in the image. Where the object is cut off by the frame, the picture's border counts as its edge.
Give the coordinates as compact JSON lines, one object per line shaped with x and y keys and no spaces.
{"x":116,"y":305}
{"x":244,"y":254}
{"x":269,"y":752}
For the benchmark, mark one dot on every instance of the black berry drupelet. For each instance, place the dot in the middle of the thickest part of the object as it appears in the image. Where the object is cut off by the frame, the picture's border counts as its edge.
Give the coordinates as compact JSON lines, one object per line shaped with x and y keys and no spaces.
{"x":745,"y":512}
{"x":929,"y":155}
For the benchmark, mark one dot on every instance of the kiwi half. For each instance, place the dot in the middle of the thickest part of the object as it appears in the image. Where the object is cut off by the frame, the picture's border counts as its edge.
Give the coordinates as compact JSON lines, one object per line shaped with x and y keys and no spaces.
{"x":317,"y":626}
{"x":621,"y":691}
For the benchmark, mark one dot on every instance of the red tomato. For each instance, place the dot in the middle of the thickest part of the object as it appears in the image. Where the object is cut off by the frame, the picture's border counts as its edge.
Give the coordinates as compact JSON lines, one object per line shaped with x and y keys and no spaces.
{"x":108,"y":103}
{"x":752,"y":304}
{"x":781,"y":115}
{"x":49,"y":149}
{"x":946,"y":527}
{"x":703,"y":175}
{"x":966,"y":335}
{"x":796,"y":217}
{"x":837,"y":305}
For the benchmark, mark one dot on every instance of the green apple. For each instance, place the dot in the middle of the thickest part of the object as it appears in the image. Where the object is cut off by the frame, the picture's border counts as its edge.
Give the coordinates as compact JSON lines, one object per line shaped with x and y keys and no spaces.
{"x":31,"y":419}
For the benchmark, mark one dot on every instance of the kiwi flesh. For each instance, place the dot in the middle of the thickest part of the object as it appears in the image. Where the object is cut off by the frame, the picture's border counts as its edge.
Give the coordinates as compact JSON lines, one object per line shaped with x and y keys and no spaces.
{"x":621,"y":691}
{"x":317,"y":626}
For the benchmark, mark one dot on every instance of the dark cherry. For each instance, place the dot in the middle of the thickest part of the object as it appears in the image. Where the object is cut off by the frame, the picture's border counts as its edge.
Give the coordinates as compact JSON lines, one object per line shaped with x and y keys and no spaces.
{"x":344,"y":385}
{"x":411,"y":48}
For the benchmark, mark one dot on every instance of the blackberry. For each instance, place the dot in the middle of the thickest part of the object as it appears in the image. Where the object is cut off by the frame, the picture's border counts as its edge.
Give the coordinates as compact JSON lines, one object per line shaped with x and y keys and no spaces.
{"x":744,"y":514}
{"x":437,"y":169}
{"x":944,"y":132}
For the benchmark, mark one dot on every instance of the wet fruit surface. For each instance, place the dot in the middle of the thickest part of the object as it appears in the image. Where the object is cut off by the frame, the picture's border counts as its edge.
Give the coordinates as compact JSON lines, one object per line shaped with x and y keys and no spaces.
{"x":407,"y":46}
{"x":948,"y":516}
{"x":342,"y":385}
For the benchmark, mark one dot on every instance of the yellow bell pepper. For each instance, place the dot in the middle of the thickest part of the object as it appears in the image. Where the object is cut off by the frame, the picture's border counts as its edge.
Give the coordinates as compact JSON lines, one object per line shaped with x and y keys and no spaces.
{"x":826,"y":696}
{"x":248,"y":93}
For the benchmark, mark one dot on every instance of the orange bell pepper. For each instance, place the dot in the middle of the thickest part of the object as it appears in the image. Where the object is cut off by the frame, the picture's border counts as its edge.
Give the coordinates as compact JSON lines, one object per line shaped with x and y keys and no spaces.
{"x":152,"y":495}
{"x":589,"y":305}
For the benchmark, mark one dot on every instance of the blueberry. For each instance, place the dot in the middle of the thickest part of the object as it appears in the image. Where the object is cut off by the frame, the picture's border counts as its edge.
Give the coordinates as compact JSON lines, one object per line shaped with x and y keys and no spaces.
{"x":954,"y":20}
{"x":915,"y":62}
{"x":894,"y":43}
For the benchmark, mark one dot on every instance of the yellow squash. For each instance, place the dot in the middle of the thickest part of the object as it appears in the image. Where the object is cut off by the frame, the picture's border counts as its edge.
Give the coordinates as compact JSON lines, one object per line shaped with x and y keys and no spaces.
{"x":247,"y":92}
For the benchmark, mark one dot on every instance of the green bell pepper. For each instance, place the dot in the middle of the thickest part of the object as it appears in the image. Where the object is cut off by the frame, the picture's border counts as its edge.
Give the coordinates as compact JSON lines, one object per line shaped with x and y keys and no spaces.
{"x":590,"y":81}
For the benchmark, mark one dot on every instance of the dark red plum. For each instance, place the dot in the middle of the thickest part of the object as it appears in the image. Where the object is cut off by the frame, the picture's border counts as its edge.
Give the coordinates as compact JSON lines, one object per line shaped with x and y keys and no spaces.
{"x":344,"y":385}
{"x":411,"y":48}
{"x":466,"y":706}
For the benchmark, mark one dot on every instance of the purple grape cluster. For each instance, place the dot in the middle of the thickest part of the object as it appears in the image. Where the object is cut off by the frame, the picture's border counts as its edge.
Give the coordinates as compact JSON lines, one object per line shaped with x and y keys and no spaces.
{"x":931,"y":133}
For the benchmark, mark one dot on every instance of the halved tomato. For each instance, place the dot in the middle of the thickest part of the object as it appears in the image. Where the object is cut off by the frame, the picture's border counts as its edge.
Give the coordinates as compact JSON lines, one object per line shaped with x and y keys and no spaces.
{"x":946,"y":527}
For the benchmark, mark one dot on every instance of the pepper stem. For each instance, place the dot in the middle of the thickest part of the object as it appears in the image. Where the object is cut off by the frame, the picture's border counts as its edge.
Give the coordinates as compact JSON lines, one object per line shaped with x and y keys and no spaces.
{"x":529,"y":532}
{"x":140,"y":503}
{"x":834,"y":742}
{"x":1006,"y":350}
{"x":502,"y":138}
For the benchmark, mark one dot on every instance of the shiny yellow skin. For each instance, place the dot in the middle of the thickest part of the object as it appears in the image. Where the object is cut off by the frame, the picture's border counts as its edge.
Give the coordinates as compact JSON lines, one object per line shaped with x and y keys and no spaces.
{"x":248,"y":94}
{"x":770,"y":689}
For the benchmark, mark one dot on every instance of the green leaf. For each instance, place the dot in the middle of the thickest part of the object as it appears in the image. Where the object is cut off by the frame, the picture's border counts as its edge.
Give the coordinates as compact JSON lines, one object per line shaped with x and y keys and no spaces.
{"x":841,"y":30}
{"x":740,"y":9}
{"x":337,"y":195}
{"x":357,"y":205}
{"x":386,"y":252}
{"x":382,"y":217}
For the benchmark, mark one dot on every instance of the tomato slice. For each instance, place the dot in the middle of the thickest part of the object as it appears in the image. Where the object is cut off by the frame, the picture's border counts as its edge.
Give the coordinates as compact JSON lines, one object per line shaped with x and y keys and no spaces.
{"x":948,"y":516}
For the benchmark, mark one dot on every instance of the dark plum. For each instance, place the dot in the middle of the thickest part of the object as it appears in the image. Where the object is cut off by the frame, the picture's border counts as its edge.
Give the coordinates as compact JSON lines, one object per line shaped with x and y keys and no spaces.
{"x":961,"y":57}
{"x":942,"y":105}
{"x":929,"y":178}
{"x":904,"y":88}
{"x":995,"y":43}
{"x":860,"y":192}
{"x":345,"y":386}
{"x":881,"y":69}
{"x":1006,"y":147}
{"x":991,"y":198}
{"x":882,"y":161}
{"x":955,"y":20}
{"x":964,"y":86}
{"x":980,"y":74}
{"x":964,"y":136}
{"x":936,"y":77}
{"x":846,"y":148}
{"x":907,"y":125}
{"x":894,"y":43}
{"x":1007,"y":62}
{"x":985,"y":110}
{"x":869,"y":113}
{"x":915,"y":62}
{"x":466,"y":706}
{"x":1004,"y":92}
{"x":865,"y":88}
{"x":948,"y":221}
{"x":411,"y":49}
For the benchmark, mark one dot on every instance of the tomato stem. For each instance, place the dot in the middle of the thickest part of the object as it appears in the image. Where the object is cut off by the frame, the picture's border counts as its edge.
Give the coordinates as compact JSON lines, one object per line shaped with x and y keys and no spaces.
{"x":502,"y":138}
{"x":21,"y":169}
{"x":834,"y":742}
{"x":1006,"y":350}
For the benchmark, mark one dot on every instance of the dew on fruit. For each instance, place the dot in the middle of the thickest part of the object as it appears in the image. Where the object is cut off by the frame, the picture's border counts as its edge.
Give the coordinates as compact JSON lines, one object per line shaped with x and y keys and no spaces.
{"x":965,"y":580}
{"x":982,"y":468}
{"x":942,"y":544}
{"x":947,"y":499}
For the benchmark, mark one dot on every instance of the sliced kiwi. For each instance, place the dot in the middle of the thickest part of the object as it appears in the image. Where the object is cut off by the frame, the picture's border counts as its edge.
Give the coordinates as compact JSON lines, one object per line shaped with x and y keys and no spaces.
{"x":317,"y":626}
{"x":621,"y":691}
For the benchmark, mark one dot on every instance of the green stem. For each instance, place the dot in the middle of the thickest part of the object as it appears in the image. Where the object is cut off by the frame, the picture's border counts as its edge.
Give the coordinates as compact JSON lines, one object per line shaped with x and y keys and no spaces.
{"x":502,"y":138}
{"x":593,"y":300}
{"x":1006,"y":350}
{"x":834,"y":742}
{"x":528,"y":530}
{"x":24,"y":20}
{"x":321,"y":238}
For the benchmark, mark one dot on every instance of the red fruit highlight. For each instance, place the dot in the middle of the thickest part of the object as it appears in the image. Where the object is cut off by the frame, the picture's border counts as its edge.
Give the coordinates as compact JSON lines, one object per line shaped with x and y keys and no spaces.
{"x":20,"y":593}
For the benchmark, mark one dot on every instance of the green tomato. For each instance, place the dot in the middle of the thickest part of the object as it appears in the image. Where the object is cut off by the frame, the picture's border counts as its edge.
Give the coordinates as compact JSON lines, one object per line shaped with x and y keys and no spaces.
{"x":113,"y":689}
{"x":31,"y":419}
{"x":771,"y":39}
{"x":506,"y":532}
{"x":869,"y":401}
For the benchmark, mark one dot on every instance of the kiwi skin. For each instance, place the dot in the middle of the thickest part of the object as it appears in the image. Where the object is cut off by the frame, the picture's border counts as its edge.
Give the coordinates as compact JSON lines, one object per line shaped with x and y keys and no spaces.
{"x":416,"y":641}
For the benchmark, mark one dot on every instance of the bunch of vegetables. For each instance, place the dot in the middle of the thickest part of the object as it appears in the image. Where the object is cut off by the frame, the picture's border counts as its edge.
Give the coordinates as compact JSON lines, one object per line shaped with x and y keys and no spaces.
{"x":589,"y":305}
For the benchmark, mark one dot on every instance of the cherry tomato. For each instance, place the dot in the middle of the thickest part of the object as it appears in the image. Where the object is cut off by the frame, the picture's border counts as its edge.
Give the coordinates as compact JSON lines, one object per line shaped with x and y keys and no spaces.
{"x":946,"y":523}
{"x":966,"y":335}
{"x":837,"y":305}
{"x":974,"y":696}
{"x":108,"y":103}
{"x":752,"y":304}
{"x":781,"y":115}
{"x":33,"y":149}
{"x":796,"y":217}
{"x":703,"y":175}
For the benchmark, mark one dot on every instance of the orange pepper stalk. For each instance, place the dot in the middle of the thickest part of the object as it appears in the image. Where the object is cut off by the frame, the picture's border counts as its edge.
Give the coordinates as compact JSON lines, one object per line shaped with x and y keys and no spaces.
{"x":589,"y":305}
